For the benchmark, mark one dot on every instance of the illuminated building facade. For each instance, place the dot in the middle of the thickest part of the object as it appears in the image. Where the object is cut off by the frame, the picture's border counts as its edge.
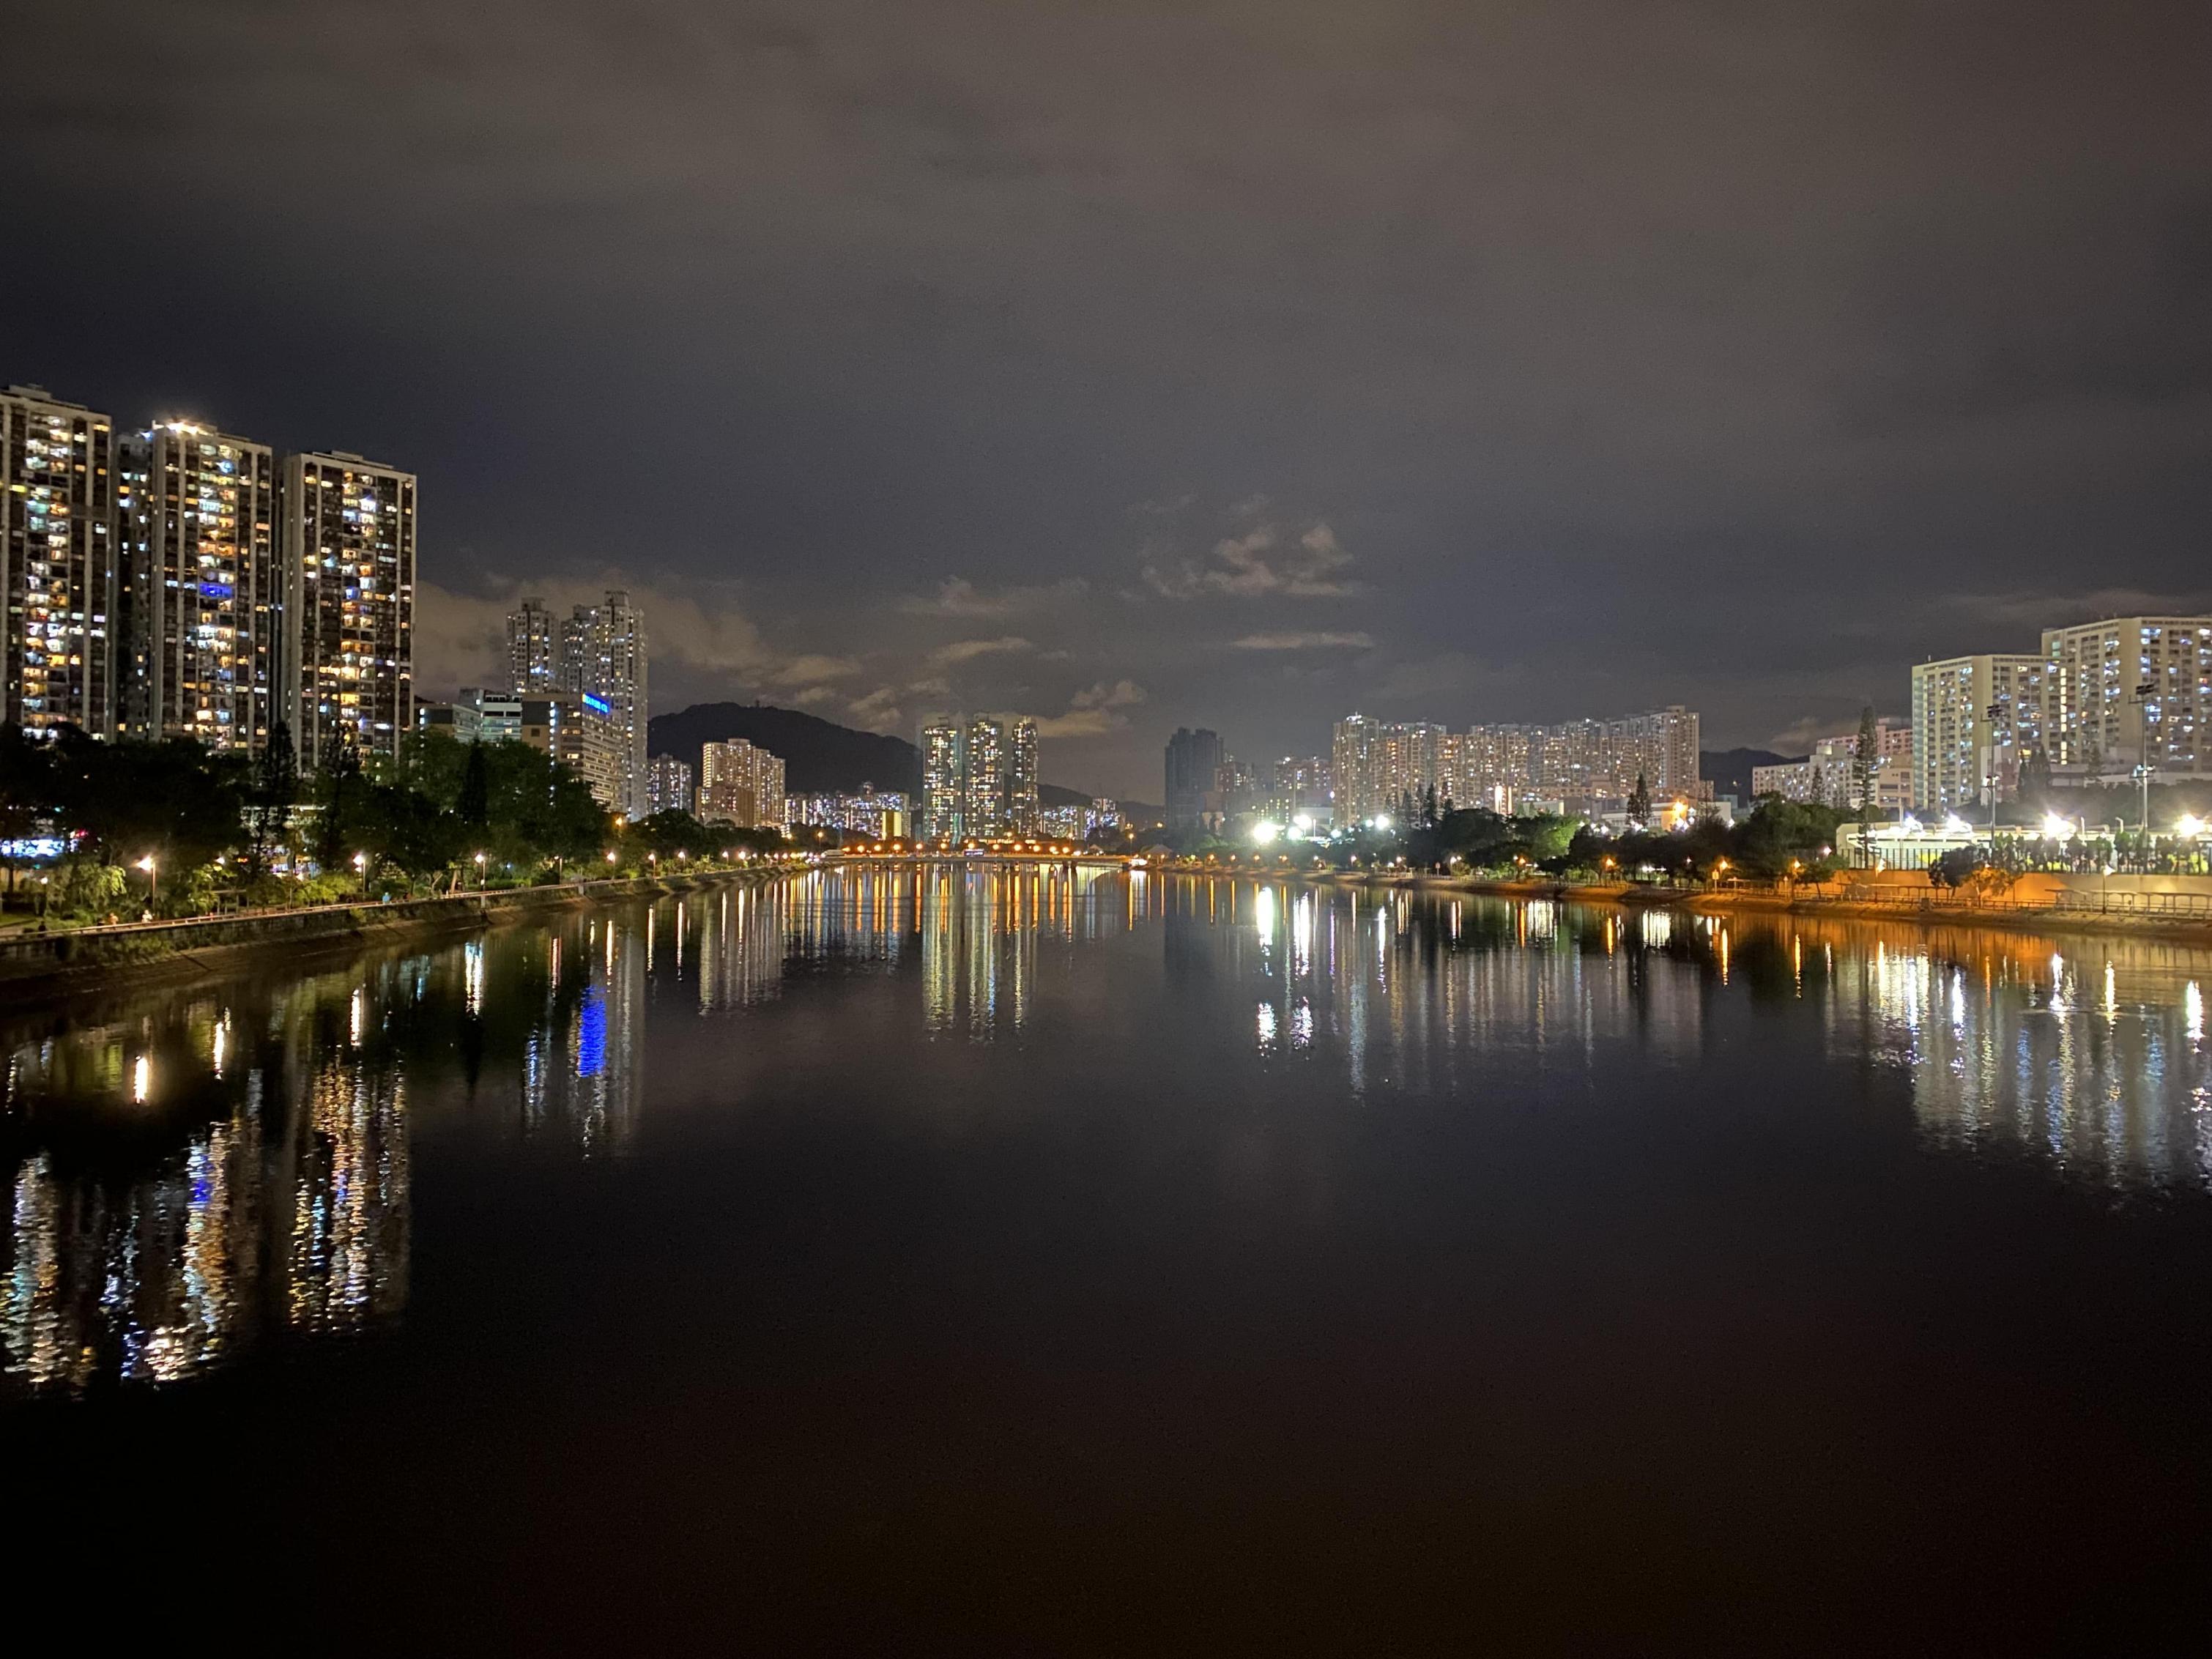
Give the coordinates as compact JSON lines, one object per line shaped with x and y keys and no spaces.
{"x":1299,"y":786}
{"x":944,"y":805}
{"x":1586,"y":763}
{"x":200,"y":588}
{"x":58,"y":563}
{"x":534,"y":666}
{"x":1976,"y":721}
{"x":740,"y":784}
{"x":609,"y":663}
{"x":2129,"y":691}
{"x":1023,"y":802}
{"x":348,"y":605}
{"x":1382,"y":768}
{"x":984,"y":811}
{"x":578,"y":731}
{"x":1829,"y":775}
{"x":878,"y":813}
{"x":667,"y":785}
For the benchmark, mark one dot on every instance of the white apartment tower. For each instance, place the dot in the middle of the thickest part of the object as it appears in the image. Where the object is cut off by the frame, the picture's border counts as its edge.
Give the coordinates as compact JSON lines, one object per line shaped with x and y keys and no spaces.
{"x":1976,"y":720}
{"x":2129,"y":691}
{"x":56,"y":563}
{"x":348,"y":657}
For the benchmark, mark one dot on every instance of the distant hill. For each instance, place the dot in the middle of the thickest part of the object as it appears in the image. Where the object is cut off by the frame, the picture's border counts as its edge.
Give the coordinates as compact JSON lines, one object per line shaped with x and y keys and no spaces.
{"x":819,"y":755}
{"x":1729,"y":770}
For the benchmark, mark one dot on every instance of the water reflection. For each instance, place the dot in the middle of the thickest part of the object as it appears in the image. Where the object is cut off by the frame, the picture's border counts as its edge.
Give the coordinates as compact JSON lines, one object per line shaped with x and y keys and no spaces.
{"x":196,"y":1174}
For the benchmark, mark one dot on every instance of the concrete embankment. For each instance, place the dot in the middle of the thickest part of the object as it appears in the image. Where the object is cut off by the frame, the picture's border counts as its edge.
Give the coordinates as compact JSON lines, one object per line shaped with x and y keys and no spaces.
{"x":2175,"y":908}
{"x":38,"y":967}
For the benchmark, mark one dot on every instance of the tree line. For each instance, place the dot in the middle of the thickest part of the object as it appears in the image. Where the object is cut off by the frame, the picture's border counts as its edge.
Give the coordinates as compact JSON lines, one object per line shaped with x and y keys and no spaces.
{"x":208,"y":828}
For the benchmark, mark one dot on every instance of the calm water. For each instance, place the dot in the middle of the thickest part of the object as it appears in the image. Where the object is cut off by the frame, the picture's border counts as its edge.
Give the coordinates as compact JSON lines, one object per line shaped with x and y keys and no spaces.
{"x":1062,"y":1260}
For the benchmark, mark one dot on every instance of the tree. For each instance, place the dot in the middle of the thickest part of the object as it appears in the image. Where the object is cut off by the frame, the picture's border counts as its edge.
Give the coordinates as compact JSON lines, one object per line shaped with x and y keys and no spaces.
{"x":473,"y":807}
{"x":341,"y":790}
{"x":270,"y":797}
{"x":404,"y":828}
{"x":1865,"y":756}
{"x":1640,"y":801}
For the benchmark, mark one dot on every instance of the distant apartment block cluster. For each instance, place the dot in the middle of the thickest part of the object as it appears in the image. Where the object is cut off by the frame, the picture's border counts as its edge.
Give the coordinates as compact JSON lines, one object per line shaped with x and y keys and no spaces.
{"x":1830,"y":775}
{"x":742,"y":784}
{"x":880,"y":814}
{"x":183,"y":581}
{"x":1207,"y":785}
{"x":979,"y":780}
{"x":2099,"y":700}
{"x":1377,"y":767}
{"x":575,"y":689}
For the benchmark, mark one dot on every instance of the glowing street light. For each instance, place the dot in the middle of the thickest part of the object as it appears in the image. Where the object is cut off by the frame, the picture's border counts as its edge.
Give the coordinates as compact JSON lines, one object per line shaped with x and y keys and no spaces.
{"x":2191,"y":825}
{"x":2056,"y":828}
{"x":153,"y":880}
{"x":1266,"y":831}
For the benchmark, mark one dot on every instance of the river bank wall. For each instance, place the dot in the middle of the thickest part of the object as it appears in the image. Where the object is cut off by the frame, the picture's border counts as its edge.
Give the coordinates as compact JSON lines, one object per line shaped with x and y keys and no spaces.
{"x":38,"y":967}
{"x":2174,"y":908}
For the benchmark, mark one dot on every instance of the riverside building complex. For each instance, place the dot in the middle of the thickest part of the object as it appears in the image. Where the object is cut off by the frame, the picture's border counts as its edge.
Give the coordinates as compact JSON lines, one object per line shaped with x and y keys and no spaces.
{"x":181,"y":582}
{"x":979,"y":780}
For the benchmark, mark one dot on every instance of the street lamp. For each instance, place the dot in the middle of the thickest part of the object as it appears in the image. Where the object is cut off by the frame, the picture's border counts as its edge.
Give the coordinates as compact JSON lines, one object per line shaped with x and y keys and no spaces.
{"x":153,"y":880}
{"x":2145,"y":694}
{"x":480,"y":871}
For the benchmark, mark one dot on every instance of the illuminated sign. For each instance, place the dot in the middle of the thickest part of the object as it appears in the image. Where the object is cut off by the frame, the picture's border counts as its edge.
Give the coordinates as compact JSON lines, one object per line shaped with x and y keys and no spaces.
{"x":598,"y":705}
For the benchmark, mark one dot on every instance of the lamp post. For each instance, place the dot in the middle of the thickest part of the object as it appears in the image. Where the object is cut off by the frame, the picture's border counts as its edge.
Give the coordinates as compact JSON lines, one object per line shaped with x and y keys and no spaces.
{"x":480,"y":873}
{"x":2145,"y":692}
{"x":1992,"y":711}
{"x":153,"y":880}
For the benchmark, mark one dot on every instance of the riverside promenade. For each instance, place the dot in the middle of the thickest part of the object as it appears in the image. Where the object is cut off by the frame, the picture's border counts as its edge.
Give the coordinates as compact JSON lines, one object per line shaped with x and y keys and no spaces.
{"x":37,"y":967}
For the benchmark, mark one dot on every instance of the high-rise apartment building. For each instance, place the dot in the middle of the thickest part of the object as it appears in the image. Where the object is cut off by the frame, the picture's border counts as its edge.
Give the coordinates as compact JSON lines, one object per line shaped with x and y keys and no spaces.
{"x":943,"y":798}
{"x":1976,"y":721}
{"x":606,"y":647}
{"x":575,"y":730}
{"x":1299,"y":786}
{"x":200,"y":587}
{"x":2129,"y":691}
{"x":667,"y":785}
{"x":740,"y":784}
{"x":1582,"y":762}
{"x":534,"y":662}
{"x":598,"y":651}
{"x":1025,"y":803}
{"x":348,"y":655}
{"x":57,"y":570}
{"x":1381,"y":768}
{"x":984,"y":810}
{"x":1194,"y":766}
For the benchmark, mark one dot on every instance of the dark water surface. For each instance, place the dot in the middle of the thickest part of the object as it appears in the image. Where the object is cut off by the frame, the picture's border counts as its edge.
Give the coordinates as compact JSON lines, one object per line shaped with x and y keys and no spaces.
{"x":1051,"y":1262}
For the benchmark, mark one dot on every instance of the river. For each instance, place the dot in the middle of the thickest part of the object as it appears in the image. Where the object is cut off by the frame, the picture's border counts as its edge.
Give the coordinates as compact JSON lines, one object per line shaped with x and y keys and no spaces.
{"x":1054,"y":1259}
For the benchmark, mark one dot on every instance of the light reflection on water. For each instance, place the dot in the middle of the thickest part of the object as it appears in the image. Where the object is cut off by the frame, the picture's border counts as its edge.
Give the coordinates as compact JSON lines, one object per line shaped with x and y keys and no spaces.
{"x":197,"y":1175}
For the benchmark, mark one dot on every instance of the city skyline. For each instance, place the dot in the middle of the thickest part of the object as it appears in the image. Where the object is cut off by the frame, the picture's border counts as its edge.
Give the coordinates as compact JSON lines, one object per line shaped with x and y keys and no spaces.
{"x":1616,"y":381}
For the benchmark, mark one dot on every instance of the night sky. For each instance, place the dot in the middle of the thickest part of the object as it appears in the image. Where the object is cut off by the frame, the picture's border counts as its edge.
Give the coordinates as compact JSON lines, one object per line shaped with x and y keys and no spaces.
{"x":1138,"y":365}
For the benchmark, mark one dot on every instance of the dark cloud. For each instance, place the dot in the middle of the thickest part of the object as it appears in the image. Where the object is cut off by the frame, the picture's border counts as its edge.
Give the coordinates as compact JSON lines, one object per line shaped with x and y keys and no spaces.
{"x":1627,"y":351}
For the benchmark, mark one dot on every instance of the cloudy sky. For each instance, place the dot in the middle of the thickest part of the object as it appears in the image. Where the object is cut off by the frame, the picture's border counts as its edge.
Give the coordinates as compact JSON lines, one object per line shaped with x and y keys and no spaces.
{"x":1138,"y":365}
